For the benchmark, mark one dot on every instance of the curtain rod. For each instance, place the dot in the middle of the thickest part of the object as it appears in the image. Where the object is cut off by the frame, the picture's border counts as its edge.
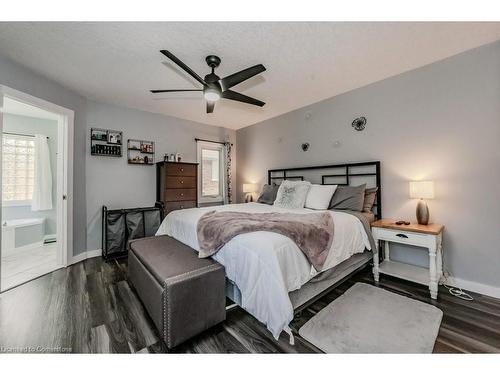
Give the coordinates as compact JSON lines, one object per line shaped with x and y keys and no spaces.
{"x":22,"y":135}
{"x":207,"y":140}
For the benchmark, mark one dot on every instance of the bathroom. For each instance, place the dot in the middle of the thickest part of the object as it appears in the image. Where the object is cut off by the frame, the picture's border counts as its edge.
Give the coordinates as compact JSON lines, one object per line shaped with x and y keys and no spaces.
{"x":29,"y":187}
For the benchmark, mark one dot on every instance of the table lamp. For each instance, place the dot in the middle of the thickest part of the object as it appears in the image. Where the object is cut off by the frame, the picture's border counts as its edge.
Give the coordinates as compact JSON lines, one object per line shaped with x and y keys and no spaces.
{"x":422,"y":190}
{"x":249,"y":189}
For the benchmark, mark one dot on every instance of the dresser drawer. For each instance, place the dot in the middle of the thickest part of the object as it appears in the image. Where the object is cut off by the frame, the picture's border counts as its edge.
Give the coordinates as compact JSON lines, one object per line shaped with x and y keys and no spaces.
{"x":180,"y":169}
{"x":173,"y":195}
{"x":172,"y":206}
{"x":177,"y":182}
{"x":407,"y":237}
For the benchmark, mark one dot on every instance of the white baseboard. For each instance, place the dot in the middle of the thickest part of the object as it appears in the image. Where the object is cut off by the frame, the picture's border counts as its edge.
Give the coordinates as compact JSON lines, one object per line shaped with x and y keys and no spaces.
{"x":94,"y":253}
{"x":487,"y":290}
{"x":85,"y":255}
{"x":77,"y":258}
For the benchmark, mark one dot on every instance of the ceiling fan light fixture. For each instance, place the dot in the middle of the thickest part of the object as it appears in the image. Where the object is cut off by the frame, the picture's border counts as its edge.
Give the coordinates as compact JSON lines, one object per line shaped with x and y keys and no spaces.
{"x":211,"y":95}
{"x":215,"y":88}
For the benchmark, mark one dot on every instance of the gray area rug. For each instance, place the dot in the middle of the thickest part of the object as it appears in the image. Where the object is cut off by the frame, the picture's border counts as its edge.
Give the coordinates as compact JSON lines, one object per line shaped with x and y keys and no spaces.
{"x":367,"y":319}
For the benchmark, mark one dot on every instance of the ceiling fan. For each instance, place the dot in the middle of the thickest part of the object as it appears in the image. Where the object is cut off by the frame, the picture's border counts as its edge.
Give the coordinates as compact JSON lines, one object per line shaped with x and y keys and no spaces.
{"x":214,"y":87}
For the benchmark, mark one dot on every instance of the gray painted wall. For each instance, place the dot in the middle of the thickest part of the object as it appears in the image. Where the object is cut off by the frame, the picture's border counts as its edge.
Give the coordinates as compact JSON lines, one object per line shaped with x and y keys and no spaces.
{"x":439,"y":122}
{"x":116,"y":184}
{"x":109,"y":181}
{"x":30,"y":125}
{"x":18,"y":77}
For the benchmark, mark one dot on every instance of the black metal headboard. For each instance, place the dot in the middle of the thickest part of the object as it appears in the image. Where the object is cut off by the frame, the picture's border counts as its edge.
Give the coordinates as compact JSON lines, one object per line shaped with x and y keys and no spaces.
{"x":336,"y":174}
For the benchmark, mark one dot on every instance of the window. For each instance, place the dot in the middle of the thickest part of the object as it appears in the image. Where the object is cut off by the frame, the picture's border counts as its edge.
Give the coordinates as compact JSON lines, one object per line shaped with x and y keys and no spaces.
{"x":18,"y":169}
{"x":211,"y":163}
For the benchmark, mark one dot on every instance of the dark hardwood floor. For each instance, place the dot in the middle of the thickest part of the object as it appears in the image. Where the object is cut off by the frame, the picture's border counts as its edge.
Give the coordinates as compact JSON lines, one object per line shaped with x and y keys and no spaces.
{"x":90,"y":307}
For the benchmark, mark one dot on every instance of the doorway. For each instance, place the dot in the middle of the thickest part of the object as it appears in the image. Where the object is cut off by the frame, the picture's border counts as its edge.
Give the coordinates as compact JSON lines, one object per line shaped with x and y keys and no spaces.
{"x":35,"y":216}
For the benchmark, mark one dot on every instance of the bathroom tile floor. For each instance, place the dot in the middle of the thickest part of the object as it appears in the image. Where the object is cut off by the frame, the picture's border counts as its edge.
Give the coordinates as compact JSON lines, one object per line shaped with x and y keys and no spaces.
{"x":28,"y":264}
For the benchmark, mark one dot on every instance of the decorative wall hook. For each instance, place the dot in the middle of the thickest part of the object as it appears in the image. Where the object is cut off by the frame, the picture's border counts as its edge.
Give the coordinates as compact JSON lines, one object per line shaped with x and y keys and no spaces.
{"x":359,"y":124}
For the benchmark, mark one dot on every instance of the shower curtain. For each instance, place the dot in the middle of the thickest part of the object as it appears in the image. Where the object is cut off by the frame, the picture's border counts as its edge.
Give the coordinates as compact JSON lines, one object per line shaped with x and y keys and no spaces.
{"x":42,"y":190}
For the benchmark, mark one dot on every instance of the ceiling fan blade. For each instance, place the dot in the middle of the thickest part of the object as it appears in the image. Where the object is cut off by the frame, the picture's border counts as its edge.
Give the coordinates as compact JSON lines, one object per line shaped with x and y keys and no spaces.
{"x":243,"y":75}
{"x":233,"y":95}
{"x":210,"y":107}
{"x":186,"y":68}
{"x":181,"y":90}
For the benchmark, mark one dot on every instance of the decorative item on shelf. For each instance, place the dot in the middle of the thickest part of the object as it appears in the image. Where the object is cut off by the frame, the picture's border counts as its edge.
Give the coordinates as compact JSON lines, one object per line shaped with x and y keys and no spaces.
{"x":105,"y":142}
{"x":249,"y":189}
{"x":171,"y":158}
{"x":359,"y":124}
{"x":114,"y":137}
{"x":165,"y":158}
{"x":422,"y":190}
{"x":305,"y":146}
{"x":140,"y":152}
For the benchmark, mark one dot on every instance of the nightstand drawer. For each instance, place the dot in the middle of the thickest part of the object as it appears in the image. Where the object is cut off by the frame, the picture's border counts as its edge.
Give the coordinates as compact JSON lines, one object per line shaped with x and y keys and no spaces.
{"x":402,"y":236}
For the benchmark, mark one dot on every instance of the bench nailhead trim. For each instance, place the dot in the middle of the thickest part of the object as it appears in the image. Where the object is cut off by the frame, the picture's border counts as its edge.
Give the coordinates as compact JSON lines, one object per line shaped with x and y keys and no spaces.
{"x":175,"y":280}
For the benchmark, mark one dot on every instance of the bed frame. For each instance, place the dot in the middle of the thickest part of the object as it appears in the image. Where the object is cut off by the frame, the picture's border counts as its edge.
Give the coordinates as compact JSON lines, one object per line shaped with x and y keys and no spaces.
{"x":336,"y":174}
{"x":352,"y":174}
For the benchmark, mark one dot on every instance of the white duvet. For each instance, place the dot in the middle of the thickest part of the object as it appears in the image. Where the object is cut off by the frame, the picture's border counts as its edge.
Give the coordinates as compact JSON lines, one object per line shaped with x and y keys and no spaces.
{"x":266,"y":266}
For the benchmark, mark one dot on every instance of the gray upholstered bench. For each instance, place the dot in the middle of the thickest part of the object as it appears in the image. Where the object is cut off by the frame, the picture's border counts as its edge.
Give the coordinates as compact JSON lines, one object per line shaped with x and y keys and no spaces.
{"x":183,"y":294}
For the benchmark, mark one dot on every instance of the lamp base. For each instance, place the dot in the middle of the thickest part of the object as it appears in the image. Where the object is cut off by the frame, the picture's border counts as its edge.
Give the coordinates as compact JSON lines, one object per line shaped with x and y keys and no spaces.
{"x":422,"y":212}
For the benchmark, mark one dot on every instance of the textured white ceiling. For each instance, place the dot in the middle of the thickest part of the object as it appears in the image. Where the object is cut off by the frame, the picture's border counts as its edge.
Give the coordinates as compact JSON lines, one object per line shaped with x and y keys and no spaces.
{"x":306,"y":62}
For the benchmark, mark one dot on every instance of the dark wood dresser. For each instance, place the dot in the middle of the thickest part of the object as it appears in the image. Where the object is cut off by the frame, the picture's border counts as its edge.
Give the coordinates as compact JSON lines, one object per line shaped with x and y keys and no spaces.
{"x":177,"y":185}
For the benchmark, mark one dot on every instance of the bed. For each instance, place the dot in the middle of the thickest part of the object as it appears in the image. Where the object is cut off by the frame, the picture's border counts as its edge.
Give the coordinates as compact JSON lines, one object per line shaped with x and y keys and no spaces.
{"x":267,"y":274}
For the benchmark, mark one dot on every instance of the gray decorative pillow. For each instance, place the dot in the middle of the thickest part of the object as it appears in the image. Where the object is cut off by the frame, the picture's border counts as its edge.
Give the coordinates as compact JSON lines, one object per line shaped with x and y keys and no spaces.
{"x":292,"y":194}
{"x":348,"y":198}
{"x":370,"y":196}
{"x":268,"y":195}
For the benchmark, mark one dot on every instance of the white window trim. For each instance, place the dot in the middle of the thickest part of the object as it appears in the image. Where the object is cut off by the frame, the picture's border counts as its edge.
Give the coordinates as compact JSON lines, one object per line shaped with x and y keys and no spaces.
{"x":222,"y":167}
{"x":18,"y":203}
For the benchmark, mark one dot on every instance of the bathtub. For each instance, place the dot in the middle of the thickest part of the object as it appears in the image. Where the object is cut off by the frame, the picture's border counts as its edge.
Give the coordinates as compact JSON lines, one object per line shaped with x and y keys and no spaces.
{"x":18,"y":234}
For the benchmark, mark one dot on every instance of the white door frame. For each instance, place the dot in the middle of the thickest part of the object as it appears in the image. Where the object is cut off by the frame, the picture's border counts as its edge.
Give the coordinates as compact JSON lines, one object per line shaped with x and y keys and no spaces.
{"x":65,"y":133}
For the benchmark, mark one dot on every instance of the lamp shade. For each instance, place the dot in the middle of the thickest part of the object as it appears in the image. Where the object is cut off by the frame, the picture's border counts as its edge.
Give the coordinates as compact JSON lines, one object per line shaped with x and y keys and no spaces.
{"x":422,"y":189}
{"x":249,"y":188}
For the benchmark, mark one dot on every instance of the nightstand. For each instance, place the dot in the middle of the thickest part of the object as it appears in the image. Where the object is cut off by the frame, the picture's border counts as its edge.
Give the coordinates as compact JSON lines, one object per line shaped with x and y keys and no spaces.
{"x":429,"y":236}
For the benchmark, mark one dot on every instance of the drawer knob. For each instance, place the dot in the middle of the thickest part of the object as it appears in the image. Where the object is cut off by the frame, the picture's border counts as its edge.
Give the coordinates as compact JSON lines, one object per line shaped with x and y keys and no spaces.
{"x":401,"y":235}
{"x":182,"y":206}
{"x":182,"y":169}
{"x":182,"y":181}
{"x":182,"y":194}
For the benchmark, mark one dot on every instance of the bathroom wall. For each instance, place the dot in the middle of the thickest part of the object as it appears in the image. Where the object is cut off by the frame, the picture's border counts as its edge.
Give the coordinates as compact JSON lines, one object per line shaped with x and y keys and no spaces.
{"x":30,"y":125}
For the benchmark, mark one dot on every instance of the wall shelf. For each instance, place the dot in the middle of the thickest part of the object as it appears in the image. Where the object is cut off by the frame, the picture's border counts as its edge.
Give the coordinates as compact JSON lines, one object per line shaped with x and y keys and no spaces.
{"x":140,"y":152}
{"x":106,"y":142}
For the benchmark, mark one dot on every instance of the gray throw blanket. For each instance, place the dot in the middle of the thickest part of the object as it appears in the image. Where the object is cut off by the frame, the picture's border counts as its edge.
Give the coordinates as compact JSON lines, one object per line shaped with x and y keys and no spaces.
{"x":313,"y":233}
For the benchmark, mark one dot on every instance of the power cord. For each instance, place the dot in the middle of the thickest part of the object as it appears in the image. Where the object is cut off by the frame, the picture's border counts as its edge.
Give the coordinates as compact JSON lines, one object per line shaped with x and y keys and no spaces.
{"x":453,"y":290}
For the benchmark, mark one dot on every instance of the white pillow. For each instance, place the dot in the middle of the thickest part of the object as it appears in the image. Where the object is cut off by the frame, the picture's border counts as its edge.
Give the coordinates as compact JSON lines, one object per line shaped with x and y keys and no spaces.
{"x":292,"y":194}
{"x":319,"y":196}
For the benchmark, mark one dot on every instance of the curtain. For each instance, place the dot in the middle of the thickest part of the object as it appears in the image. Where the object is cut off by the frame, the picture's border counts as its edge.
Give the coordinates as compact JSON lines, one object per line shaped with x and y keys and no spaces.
{"x":229,"y":194}
{"x":42,"y":189}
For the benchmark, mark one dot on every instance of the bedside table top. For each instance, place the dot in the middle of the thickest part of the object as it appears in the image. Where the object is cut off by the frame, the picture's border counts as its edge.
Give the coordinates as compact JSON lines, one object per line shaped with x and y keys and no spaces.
{"x":413,"y":227}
